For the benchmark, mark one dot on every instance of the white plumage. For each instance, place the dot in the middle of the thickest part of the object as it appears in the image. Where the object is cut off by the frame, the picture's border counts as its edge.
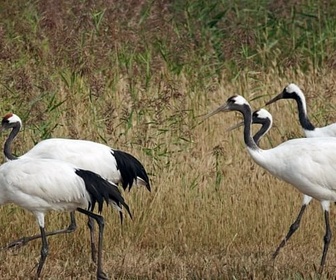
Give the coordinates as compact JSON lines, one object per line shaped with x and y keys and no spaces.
{"x":117,"y":166}
{"x":52,"y":185}
{"x":86,"y":154}
{"x":306,"y":163}
{"x":24,"y":184}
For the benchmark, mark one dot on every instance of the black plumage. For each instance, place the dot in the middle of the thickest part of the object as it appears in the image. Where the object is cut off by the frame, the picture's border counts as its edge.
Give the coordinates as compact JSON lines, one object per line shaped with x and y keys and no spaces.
{"x":130,"y":169}
{"x":101,"y":190}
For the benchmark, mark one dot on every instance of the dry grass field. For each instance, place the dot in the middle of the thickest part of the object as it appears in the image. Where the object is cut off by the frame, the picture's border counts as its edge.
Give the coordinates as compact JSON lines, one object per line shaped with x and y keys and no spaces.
{"x":139,"y":78}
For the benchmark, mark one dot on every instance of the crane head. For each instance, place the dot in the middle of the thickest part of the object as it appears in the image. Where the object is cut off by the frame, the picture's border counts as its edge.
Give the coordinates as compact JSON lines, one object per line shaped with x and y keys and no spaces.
{"x":234,"y":103}
{"x":260,"y":116}
{"x":9,"y":121}
{"x":292,"y":91}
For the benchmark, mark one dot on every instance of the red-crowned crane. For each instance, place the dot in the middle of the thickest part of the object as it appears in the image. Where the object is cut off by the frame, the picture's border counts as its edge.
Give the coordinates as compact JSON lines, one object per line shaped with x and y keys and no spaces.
{"x":117,"y":166}
{"x":46,"y":185}
{"x":306,"y":163}
{"x":264,"y":118}
{"x":292,"y":91}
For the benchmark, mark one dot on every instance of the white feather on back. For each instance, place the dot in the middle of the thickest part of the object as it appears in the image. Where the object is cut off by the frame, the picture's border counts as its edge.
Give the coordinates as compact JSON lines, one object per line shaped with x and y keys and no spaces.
{"x":84,"y":154}
{"x":42,"y":185}
{"x":308,"y":164}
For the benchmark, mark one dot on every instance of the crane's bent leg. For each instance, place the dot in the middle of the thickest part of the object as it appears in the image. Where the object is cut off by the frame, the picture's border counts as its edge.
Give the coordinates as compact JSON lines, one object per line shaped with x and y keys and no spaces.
{"x":92,"y":239}
{"x":327,"y":238}
{"x":100,"y":221}
{"x":292,"y":229}
{"x":24,"y":240}
{"x":44,"y":252}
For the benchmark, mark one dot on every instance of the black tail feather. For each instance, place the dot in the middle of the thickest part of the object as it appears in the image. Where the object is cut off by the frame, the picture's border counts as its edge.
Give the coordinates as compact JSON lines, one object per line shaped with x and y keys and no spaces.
{"x":101,"y":190}
{"x":130,"y":169}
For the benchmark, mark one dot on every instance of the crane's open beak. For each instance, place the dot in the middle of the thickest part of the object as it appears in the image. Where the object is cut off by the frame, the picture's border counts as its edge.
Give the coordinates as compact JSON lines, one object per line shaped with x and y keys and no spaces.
{"x":279,"y":96}
{"x":222,"y":108}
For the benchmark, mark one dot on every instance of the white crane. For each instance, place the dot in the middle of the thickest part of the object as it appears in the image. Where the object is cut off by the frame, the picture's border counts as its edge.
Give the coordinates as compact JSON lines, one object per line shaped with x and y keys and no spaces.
{"x":306,"y":163}
{"x":117,"y":166}
{"x":264,"y":118}
{"x":292,"y":91}
{"x":43,"y":185}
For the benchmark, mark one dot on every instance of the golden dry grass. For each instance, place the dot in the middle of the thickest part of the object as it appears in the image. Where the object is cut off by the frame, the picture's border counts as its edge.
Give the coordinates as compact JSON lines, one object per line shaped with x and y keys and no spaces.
{"x":139,"y":76}
{"x":189,"y":226}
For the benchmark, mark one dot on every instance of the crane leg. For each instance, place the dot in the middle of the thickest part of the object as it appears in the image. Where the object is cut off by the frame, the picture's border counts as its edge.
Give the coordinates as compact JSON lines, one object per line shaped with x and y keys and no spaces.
{"x":100,"y":221}
{"x":326,"y":239}
{"x":292,"y":229}
{"x":44,"y":252}
{"x":24,"y":240}
{"x":92,"y":239}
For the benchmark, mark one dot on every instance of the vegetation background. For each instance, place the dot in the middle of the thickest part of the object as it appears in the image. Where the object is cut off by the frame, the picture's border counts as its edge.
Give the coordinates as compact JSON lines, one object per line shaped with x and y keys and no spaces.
{"x":137,"y":75}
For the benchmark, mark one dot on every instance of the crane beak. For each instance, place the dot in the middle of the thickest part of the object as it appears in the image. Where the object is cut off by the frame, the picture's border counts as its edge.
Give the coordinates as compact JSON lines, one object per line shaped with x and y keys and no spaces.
{"x":222,"y":108}
{"x":279,"y":96}
{"x":235,"y":126}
